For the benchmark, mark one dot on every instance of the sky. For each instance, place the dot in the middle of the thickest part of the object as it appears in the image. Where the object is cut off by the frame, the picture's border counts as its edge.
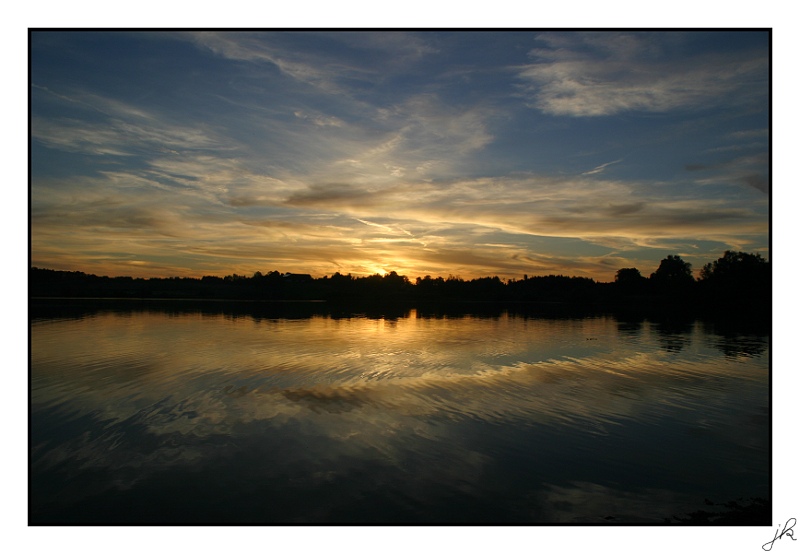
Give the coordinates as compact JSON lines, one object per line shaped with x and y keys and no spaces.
{"x":508,"y":153}
{"x":516,"y":103}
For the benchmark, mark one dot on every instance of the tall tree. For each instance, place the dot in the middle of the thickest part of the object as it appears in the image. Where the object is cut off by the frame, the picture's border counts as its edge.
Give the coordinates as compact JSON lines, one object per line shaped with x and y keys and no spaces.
{"x":735,"y":266}
{"x":737,"y":273}
{"x":673,"y":268}
{"x":673,"y":276}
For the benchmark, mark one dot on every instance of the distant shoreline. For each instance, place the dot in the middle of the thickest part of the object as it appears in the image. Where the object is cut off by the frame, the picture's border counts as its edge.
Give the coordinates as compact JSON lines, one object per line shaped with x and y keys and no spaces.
{"x":738,"y":285}
{"x":756,"y":321}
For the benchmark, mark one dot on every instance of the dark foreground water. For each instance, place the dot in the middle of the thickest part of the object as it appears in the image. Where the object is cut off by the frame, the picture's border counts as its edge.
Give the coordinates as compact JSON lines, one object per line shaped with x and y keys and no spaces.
{"x":152,"y":414}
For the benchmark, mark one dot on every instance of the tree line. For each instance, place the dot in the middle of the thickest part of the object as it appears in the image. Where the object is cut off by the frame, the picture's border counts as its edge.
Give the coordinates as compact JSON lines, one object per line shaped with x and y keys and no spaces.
{"x":737,"y":280}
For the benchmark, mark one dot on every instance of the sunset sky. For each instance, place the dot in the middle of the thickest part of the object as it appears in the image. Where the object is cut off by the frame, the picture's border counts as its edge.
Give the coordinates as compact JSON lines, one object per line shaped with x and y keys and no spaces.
{"x":427,"y":153}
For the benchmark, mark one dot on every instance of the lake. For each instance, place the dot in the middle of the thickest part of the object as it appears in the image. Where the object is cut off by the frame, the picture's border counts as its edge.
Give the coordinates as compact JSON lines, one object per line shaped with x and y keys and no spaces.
{"x":223,"y":413}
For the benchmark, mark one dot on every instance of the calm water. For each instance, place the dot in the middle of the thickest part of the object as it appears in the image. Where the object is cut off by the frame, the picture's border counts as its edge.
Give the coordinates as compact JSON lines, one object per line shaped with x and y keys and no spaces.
{"x":215,"y":416}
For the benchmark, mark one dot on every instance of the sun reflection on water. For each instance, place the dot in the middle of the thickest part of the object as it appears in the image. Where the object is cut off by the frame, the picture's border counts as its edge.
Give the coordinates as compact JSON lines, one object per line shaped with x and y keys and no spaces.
{"x":169,"y":391}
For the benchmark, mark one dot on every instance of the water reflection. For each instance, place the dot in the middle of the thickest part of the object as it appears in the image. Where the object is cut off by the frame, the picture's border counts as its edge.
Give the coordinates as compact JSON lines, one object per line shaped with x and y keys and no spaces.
{"x":746,"y":341}
{"x":307,"y":414}
{"x":630,"y":327}
{"x":674,"y":334}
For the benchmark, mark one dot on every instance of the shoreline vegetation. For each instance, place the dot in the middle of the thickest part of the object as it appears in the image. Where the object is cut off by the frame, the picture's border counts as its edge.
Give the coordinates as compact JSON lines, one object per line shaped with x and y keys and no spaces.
{"x":737,"y":284}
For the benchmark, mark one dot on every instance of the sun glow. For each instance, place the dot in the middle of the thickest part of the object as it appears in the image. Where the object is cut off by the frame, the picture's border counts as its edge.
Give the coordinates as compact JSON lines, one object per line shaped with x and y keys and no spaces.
{"x":419,"y":175}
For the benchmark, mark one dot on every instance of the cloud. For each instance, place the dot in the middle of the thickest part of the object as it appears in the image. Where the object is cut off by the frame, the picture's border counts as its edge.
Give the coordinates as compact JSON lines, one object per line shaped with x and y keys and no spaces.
{"x":749,"y":134}
{"x":393,"y":44}
{"x":751,"y":170}
{"x":757,"y":181}
{"x":601,"y":212}
{"x":224,"y":218}
{"x":600,"y":168}
{"x":378,"y":225}
{"x":120,"y":137}
{"x":93,"y":102}
{"x":319,"y":120}
{"x":601,"y":74}
{"x":319,"y":152}
{"x":316,"y":68}
{"x":625,"y":209}
{"x":427,"y":138}
{"x":338,"y":57}
{"x":746,"y":140}
{"x":72,"y":135}
{"x":421,"y":138}
{"x":336,"y":196}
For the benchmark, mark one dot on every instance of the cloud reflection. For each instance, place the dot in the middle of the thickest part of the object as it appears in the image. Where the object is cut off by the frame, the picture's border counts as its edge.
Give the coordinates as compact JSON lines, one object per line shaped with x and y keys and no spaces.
{"x":461,"y":419}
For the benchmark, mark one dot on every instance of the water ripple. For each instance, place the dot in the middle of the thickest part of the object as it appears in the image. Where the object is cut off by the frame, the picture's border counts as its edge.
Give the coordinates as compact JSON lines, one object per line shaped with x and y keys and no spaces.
{"x":503,"y":415}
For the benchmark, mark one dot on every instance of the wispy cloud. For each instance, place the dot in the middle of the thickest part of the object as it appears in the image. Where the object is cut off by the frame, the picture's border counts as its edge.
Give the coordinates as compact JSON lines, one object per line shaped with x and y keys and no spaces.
{"x":751,"y":170}
{"x":601,"y":74}
{"x":117,"y":128}
{"x":323,"y":71}
{"x":600,"y":168}
{"x":362,"y":152}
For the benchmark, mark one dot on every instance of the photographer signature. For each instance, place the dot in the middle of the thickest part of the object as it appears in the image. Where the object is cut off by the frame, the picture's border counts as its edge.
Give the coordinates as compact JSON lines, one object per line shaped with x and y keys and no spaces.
{"x":787,"y":530}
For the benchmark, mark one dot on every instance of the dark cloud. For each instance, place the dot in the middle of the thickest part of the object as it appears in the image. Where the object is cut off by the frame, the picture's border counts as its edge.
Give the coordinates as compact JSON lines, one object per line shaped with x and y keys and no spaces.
{"x":692,"y":218}
{"x":625,"y":209}
{"x":757,"y":181}
{"x":278,"y":224}
{"x":248,"y":201}
{"x":751,"y":170}
{"x":108,"y":216}
{"x":364,"y":151}
{"x":331,"y":195}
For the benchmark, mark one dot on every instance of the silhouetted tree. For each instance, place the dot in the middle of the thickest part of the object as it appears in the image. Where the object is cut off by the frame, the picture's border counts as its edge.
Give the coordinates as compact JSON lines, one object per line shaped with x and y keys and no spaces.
{"x":628,"y":275}
{"x":736,"y":270}
{"x":673,"y":276}
{"x":738,"y":282}
{"x":630,"y":280}
{"x":673,"y":268}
